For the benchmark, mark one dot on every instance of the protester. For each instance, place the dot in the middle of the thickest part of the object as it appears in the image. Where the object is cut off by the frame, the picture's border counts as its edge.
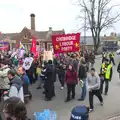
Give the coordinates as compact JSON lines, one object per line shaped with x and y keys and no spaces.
{"x":42,"y":77}
{"x":35,"y":64}
{"x":15,"y":61}
{"x":49,"y":81}
{"x":75,"y":62}
{"x":61,"y":74}
{"x":28,"y":65}
{"x":4,"y":81}
{"x":16,"y":86}
{"x":66,"y":66}
{"x":3,"y":74}
{"x":26,"y":82}
{"x":93,"y":83}
{"x":14,"y":109}
{"x":83,"y":69}
{"x":71,"y":79}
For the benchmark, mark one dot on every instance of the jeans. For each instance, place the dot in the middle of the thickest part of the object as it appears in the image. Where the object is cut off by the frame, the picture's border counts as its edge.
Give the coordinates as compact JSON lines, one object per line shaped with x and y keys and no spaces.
{"x":40,"y":81}
{"x":91,"y":94}
{"x":83,"y":94}
{"x":112,"y":60}
{"x":70,"y":88}
{"x":61,"y":79}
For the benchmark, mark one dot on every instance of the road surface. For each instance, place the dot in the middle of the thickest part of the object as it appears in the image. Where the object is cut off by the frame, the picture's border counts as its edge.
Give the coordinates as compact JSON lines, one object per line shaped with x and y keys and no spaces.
{"x":111,"y":102}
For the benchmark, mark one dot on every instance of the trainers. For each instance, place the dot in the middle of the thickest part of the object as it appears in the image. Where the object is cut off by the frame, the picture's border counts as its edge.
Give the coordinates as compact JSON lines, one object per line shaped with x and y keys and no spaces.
{"x":67,"y":100}
{"x":38,"y":88}
{"x":80,"y":99}
{"x":62,"y":88}
{"x":91,"y":110}
{"x":101,"y":103}
{"x":46,"y":99}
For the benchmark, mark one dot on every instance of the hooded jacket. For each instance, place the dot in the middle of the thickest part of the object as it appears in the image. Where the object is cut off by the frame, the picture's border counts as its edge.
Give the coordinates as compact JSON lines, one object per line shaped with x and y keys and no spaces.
{"x":93,"y":82}
{"x":4,"y":81}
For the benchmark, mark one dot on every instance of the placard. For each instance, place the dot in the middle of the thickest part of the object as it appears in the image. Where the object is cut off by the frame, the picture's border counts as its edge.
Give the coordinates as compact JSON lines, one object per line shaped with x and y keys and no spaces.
{"x":66,"y":43}
{"x":4,"y":46}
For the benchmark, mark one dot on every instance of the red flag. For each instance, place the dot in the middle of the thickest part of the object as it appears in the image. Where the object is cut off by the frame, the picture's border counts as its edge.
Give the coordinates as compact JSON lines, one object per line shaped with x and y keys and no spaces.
{"x":33,"y":47}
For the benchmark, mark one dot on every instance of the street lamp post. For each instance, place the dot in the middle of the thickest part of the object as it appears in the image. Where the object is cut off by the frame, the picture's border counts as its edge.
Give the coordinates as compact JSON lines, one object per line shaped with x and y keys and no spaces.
{"x":85,"y":30}
{"x":84,"y":41}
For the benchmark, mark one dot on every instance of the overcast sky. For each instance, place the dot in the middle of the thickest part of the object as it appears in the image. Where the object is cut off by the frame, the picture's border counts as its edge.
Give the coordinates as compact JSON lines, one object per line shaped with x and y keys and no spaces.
{"x":59,"y":14}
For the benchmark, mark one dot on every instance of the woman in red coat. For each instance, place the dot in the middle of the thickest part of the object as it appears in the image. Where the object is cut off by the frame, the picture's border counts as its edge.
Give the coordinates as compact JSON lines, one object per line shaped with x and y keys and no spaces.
{"x":71,"y":79}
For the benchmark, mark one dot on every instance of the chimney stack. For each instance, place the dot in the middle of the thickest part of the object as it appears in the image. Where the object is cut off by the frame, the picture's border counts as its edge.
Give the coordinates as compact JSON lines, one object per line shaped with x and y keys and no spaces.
{"x":104,"y":35}
{"x":32,"y":21}
{"x":112,"y":33}
{"x":50,"y":28}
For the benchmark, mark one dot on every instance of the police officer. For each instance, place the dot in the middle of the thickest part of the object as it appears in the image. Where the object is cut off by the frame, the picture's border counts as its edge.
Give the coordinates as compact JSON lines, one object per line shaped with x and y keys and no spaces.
{"x":111,"y":56}
{"x":106,"y":71}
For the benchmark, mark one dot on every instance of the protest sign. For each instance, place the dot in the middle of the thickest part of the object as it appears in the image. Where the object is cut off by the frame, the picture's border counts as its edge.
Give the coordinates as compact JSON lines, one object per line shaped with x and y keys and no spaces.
{"x":66,"y":43}
{"x":4,"y":46}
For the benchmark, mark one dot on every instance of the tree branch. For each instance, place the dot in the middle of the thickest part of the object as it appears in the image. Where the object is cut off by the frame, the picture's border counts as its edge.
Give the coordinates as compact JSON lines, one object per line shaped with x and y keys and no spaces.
{"x":98,"y":16}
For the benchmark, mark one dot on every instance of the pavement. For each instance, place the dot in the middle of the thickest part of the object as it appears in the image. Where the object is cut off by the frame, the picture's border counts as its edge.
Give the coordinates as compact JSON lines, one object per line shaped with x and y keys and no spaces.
{"x":111,"y":102}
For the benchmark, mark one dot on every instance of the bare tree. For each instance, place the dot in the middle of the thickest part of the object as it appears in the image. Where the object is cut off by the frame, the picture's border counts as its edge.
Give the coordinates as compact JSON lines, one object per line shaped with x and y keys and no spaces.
{"x":99,"y":16}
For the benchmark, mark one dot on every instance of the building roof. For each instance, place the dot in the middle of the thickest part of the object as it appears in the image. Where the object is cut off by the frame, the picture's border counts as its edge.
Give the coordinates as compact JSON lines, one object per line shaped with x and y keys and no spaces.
{"x":89,"y":39}
{"x":8,"y":35}
{"x":44,"y":35}
{"x":113,"y":36}
{"x":110,"y":38}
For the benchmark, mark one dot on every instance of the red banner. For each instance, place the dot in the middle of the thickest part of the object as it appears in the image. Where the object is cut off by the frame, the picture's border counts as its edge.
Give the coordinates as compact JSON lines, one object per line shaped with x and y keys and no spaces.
{"x":66,"y":43}
{"x":33,"y":47}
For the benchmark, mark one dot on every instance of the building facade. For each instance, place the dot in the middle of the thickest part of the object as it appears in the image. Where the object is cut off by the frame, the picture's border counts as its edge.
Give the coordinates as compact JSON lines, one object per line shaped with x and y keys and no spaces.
{"x":44,"y":38}
{"x":110,"y":43}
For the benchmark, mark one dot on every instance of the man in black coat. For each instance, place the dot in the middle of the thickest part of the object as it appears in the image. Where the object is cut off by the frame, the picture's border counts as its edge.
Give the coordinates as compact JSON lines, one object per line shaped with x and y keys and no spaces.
{"x":49,"y":82}
{"x":82,"y":74}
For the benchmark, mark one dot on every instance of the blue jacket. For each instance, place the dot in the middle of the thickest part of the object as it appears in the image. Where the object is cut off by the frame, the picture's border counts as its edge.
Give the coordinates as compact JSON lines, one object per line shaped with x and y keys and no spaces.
{"x":26,"y":83}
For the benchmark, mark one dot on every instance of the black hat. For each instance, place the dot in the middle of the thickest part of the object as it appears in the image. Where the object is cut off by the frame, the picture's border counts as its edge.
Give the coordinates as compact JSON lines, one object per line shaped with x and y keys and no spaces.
{"x":11,"y":72}
{"x":49,"y":61}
